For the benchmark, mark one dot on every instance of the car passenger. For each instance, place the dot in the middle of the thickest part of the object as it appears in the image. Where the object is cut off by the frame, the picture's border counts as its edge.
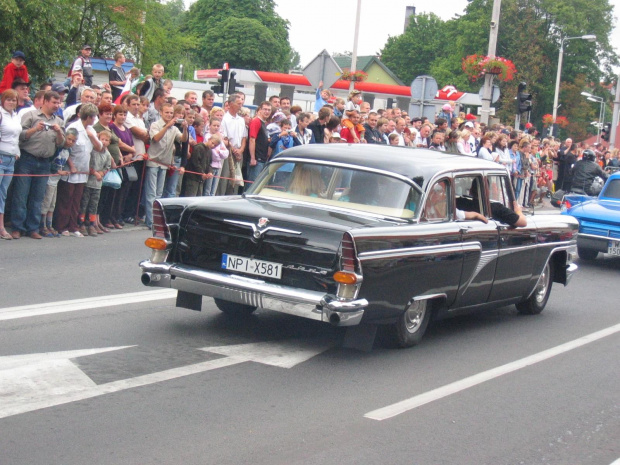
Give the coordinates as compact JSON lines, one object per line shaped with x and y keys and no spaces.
{"x":306,"y":180}
{"x":499,"y":212}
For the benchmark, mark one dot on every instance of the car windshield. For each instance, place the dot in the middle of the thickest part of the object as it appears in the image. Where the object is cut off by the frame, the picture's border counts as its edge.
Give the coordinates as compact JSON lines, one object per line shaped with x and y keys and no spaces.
{"x":612,"y":189}
{"x":339,"y":187}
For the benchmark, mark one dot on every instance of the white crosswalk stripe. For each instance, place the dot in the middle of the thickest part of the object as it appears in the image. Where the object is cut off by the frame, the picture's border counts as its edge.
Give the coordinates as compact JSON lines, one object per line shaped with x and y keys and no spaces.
{"x":49,"y":308}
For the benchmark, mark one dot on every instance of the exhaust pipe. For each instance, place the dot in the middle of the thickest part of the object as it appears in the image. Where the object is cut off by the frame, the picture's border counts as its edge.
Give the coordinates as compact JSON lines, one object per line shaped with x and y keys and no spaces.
{"x":334,"y":319}
{"x":149,"y":278}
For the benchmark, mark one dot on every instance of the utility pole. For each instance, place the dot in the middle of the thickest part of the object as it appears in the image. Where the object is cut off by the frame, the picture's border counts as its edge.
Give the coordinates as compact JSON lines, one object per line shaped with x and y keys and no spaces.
{"x":357,"y":32}
{"x":614,"y":120}
{"x":488,"y":78}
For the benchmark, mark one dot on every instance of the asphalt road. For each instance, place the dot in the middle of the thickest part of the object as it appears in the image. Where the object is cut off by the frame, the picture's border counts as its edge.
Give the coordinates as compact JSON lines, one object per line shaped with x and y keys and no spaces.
{"x":125,"y":380}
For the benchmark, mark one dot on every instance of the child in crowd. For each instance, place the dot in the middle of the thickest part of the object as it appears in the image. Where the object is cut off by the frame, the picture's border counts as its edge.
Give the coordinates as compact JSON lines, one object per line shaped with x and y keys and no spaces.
{"x":199,"y":129}
{"x":393,"y":139}
{"x":167,"y":85}
{"x":279,"y":142}
{"x":58,"y":167}
{"x":339,"y":105}
{"x":200,"y":162}
{"x":273,"y":127}
{"x":219,"y":153}
{"x":100,"y":163}
{"x":352,"y":108}
{"x":284,"y":139}
{"x":153,"y":82}
{"x":322,"y":97}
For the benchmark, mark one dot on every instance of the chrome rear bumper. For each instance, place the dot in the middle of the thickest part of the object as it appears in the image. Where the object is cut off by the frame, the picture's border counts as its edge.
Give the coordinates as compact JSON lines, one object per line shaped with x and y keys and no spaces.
{"x":255,"y":292}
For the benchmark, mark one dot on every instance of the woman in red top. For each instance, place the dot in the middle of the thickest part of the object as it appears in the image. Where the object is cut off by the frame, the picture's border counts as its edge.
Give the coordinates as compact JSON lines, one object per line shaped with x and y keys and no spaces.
{"x":15,"y":69}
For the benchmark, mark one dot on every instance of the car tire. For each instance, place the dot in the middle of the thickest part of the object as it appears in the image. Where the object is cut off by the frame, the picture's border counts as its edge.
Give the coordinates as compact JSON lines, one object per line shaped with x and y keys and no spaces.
{"x":411,"y":325}
{"x":587,"y":254}
{"x":538,"y":300}
{"x":233,"y":308}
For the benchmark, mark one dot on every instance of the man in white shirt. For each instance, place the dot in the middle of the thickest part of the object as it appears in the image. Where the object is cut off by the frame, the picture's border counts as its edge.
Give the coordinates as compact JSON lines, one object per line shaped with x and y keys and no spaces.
{"x":399,"y":131}
{"x":234,"y":131}
{"x":88,"y":96}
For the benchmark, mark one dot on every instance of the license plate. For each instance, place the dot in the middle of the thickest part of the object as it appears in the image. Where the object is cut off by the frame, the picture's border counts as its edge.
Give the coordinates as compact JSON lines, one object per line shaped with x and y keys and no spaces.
{"x":613,"y":248}
{"x":251,"y":266}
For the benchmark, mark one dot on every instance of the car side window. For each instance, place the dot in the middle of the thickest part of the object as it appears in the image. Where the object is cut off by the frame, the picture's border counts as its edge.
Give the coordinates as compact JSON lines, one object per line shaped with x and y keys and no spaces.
{"x":437,"y":206}
{"x":466,"y":194}
{"x":498,"y":190}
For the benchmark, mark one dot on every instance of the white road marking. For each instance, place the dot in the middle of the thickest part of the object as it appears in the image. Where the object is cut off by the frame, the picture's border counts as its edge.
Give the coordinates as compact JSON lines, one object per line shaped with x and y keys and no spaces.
{"x":452,"y":388}
{"x":11,"y":313}
{"x":283,"y":354}
{"x":616,"y":462}
{"x":37,"y":381}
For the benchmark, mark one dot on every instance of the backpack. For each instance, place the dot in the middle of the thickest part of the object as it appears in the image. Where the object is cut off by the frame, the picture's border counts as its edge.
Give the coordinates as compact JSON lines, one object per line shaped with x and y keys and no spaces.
{"x":71,"y":69}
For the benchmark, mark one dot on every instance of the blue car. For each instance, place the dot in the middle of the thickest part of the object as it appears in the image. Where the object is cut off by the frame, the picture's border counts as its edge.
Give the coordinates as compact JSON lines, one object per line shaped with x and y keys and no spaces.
{"x":599,"y":220}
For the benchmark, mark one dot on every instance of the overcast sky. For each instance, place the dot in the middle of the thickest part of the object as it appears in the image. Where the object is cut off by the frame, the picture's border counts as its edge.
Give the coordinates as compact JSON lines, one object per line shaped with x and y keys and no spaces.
{"x":330,"y":24}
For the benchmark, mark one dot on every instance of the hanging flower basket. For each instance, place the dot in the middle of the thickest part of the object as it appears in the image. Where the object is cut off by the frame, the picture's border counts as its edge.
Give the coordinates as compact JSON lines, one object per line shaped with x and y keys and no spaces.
{"x":547,"y":120}
{"x":562,"y":121}
{"x":476,"y":66}
{"x":357,"y":76}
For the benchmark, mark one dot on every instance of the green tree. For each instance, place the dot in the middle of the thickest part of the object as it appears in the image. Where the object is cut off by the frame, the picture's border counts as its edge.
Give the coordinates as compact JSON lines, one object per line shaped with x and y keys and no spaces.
{"x":530,"y":32}
{"x":47,"y":39}
{"x":216,"y":23}
{"x":164,"y":41}
{"x":249,"y":44}
{"x":412,"y":53}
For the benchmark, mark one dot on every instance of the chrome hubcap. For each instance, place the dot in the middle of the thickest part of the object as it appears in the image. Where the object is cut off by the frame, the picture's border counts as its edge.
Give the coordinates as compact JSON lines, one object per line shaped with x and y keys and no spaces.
{"x":415,"y":315}
{"x":542,"y":285}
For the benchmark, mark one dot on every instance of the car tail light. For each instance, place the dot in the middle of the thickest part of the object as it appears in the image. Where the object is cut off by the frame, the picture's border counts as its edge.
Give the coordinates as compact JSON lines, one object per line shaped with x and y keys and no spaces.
{"x":160,"y":229}
{"x":567,"y":204}
{"x":348,"y":260}
{"x":349,"y":276}
{"x":345,"y":277}
{"x":156,"y":243}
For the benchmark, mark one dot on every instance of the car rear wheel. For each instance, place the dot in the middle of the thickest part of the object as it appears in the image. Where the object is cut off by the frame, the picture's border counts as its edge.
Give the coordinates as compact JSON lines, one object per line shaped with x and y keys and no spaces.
{"x":587,"y":254}
{"x":412,"y":324}
{"x":234,"y":309}
{"x":537,"y":301}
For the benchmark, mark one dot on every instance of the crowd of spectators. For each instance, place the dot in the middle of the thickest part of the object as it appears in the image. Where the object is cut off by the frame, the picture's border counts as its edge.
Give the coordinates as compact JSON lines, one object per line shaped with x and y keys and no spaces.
{"x":80,"y":159}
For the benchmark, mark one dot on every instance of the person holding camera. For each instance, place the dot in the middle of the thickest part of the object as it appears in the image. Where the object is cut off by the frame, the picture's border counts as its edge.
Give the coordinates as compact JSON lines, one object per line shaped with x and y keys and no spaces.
{"x":163,"y":134}
{"x":42,"y":133}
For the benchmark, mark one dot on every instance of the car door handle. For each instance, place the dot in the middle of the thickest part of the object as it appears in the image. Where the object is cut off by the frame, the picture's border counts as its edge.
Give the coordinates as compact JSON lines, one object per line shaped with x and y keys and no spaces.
{"x":465,"y":229}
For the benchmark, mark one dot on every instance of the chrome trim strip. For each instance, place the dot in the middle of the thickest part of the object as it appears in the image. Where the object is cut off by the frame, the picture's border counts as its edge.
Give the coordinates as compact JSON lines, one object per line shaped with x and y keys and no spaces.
{"x":595,"y":236}
{"x":486,"y":257}
{"x":255,"y":292}
{"x":422,"y":250}
{"x":508,"y":250}
{"x":430,"y":296}
{"x":260,"y":231}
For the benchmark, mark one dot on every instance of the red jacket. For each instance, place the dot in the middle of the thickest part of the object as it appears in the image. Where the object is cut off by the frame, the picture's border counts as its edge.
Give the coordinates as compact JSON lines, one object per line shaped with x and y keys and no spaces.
{"x":12,"y":72}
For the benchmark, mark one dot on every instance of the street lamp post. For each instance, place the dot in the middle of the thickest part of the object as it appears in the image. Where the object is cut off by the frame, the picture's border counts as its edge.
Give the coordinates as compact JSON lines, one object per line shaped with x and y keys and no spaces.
{"x":589,"y":38}
{"x":601,"y":113}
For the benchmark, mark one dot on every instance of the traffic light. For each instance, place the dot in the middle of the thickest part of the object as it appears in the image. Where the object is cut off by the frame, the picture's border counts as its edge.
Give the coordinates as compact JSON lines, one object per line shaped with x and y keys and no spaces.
{"x":233,"y":86}
{"x":606,"y":132}
{"x":524,"y":100}
{"x":220,"y":87}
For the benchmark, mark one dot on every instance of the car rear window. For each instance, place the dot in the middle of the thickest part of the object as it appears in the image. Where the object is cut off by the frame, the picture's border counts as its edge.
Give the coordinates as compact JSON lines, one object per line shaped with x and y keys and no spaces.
{"x":612,"y":189}
{"x":327,"y":185}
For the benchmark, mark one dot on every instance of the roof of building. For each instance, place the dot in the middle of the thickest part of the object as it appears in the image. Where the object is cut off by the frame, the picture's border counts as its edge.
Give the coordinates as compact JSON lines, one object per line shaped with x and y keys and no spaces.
{"x":364,"y":63}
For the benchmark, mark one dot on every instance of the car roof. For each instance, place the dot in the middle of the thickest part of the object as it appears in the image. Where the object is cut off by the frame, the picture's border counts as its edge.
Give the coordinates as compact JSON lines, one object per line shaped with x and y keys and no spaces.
{"x":410,"y":162}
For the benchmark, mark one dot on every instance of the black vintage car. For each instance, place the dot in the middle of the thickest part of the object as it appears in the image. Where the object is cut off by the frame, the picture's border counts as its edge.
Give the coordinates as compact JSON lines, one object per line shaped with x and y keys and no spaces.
{"x":351,"y":234}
